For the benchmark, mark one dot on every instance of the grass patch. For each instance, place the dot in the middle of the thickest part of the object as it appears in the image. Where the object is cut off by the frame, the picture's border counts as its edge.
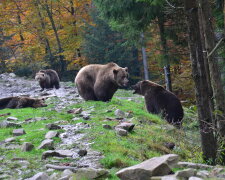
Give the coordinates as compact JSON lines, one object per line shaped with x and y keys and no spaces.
{"x":144,"y":142}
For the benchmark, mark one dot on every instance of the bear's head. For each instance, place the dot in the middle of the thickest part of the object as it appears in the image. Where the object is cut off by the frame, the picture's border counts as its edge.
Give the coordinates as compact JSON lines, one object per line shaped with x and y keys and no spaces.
{"x":40,"y":76}
{"x":39,"y":103}
{"x":121,"y":76}
{"x":30,"y":102}
{"x":142,"y":87}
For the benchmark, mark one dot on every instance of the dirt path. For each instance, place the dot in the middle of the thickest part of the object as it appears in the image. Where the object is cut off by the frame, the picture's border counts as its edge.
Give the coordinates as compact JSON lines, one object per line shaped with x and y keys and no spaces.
{"x":11,"y":85}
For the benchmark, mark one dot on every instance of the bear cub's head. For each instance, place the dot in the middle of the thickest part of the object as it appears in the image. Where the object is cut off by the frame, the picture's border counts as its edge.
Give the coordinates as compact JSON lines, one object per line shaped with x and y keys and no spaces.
{"x":40,"y":76}
{"x":142,"y":87}
{"x":121,"y":76}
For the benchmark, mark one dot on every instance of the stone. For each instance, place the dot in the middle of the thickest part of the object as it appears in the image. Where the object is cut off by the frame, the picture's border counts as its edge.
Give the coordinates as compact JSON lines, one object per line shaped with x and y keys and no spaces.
{"x":186,"y":173}
{"x":54,"y":176}
{"x":119,"y":113}
{"x":64,"y":178}
{"x":216,"y":171}
{"x":67,"y":172}
{"x":75,"y":111}
{"x":12,"y":119}
{"x":90,"y":173}
{"x":169,"y":145}
{"x":194,"y":178}
{"x":129,"y":115}
{"x":126,"y":125}
{"x":6,"y":124}
{"x":58,"y":153}
{"x":203,"y":174}
{"x":39,"y":176}
{"x":86,"y":117}
{"x":12,"y":75}
{"x":51,"y":134}
{"x":121,"y":132}
{"x":18,"y":132}
{"x":169,"y":177}
{"x":46,"y":144}
{"x":106,"y":126}
{"x":193,"y":165}
{"x":11,"y":139}
{"x":27,"y":146}
{"x":157,"y":166}
{"x":52,"y":126}
{"x":82,"y":152}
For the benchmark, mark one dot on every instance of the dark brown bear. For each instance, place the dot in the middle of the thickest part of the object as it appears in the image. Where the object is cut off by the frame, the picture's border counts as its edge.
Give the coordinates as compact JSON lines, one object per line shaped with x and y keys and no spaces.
{"x":21,"y":102}
{"x":99,"y":82}
{"x":48,"y":79}
{"x":159,"y":100}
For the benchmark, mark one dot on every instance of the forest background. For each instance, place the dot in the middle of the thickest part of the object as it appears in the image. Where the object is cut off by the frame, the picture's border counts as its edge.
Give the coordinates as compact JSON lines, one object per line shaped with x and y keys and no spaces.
{"x":153,"y":38}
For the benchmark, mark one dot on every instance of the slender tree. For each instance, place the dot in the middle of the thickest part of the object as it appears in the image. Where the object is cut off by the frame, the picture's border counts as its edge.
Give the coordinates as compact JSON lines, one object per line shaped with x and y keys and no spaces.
{"x":208,"y":141}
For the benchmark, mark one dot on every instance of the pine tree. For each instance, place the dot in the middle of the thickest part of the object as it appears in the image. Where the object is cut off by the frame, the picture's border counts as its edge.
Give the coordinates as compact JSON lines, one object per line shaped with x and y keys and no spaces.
{"x":103,"y":45}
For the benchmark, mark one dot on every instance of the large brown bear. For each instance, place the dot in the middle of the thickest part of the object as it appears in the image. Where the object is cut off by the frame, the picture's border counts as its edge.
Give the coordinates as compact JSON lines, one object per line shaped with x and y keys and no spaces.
{"x":159,"y":100}
{"x":99,"y":82}
{"x":21,"y":102}
{"x":48,"y":79}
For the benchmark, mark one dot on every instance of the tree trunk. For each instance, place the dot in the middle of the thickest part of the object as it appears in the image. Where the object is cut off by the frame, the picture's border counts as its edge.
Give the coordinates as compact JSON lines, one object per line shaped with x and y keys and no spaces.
{"x":208,"y":142}
{"x":20,"y":23}
{"x":47,"y":44}
{"x":215,"y":74}
{"x":165,"y":53}
{"x":72,"y":11}
{"x":144,"y":58}
{"x":60,"y":50}
{"x":168,"y":78}
{"x":210,"y":95}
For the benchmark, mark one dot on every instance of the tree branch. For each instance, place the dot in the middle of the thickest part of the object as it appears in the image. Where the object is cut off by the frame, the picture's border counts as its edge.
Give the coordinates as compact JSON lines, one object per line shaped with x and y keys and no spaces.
{"x":215,"y":48}
{"x":173,"y":5}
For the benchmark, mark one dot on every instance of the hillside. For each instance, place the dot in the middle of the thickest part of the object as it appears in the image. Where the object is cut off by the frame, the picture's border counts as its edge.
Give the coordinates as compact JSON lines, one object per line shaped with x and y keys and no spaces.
{"x":89,"y":129}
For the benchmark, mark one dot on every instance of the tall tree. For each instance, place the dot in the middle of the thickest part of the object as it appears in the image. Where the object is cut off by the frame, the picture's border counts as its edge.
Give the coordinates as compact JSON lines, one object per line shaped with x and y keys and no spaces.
{"x":208,"y":141}
{"x":60,"y":49}
{"x":215,"y":74}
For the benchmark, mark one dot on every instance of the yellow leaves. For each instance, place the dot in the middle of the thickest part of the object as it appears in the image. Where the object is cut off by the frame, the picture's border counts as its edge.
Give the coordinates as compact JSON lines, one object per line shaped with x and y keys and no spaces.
{"x":28,"y":21}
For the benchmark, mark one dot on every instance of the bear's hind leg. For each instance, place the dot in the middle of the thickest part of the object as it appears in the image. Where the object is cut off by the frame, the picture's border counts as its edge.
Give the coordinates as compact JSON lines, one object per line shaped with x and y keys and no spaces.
{"x":87,"y":93}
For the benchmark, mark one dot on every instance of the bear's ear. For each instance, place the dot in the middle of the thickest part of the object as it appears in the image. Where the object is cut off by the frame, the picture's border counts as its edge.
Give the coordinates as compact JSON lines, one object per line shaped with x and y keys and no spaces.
{"x":115,"y":71}
{"x":126,"y":69}
{"x":144,"y":86}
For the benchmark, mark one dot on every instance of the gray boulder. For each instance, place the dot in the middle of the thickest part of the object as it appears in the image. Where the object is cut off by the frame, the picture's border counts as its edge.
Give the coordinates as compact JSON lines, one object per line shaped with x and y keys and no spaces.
{"x":51,"y":134}
{"x":121,"y":132}
{"x":18,"y":132}
{"x":46,"y":144}
{"x":157,"y":166}
{"x":126,"y":126}
{"x":186,"y":173}
{"x":106,"y":126}
{"x":39,"y":176}
{"x":12,"y":119}
{"x":6,"y":124}
{"x":119,"y":113}
{"x":90,"y":173}
{"x":52,"y":126}
{"x":194,"y":178}
{"x":58,"y":153}
{"x":27,"y":146}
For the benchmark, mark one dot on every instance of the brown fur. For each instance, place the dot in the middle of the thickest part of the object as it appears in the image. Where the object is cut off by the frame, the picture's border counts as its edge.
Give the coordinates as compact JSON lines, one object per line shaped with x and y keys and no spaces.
{"x":48,"y":79}
{"x":159,"y":100}
{"x":99,"y":82}
{"x":21,"y":102}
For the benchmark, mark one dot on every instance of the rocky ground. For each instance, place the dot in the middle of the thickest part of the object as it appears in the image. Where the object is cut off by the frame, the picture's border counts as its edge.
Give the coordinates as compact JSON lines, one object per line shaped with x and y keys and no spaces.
{"x":84,"y":161}
{"x":10,"y":85}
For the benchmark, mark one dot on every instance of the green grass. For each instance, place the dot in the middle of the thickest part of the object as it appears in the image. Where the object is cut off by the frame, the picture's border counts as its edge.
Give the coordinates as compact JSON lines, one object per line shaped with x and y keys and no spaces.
{"x":144,"y":142}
